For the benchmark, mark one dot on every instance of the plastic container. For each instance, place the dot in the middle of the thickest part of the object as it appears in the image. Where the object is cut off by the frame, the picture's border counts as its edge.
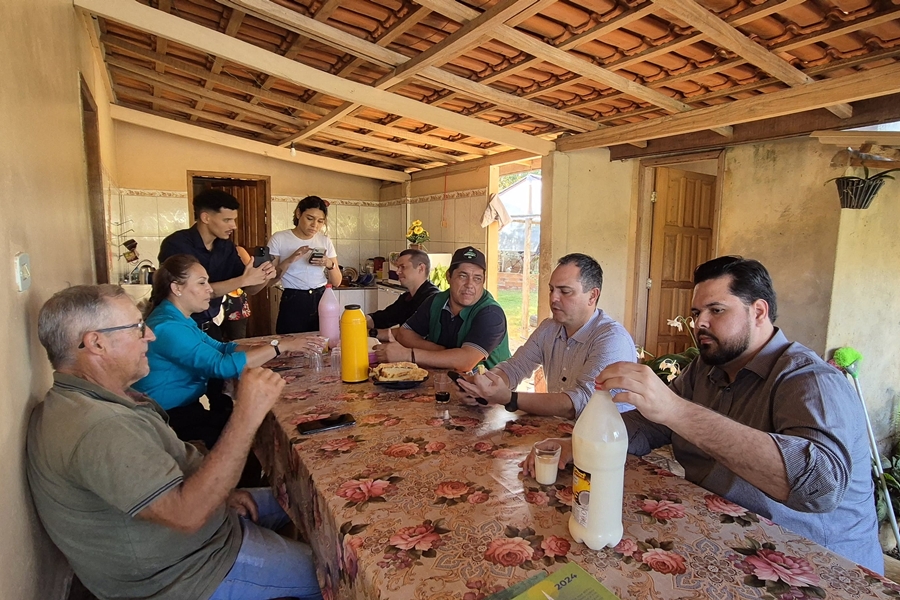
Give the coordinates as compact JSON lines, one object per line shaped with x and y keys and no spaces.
{"x":354,"y":345}
{"x":330,"y":317}
{"x":599,"y":448}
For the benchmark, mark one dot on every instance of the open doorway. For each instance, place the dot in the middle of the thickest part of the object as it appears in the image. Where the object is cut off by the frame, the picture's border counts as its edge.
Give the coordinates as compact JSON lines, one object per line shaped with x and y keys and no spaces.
{"x":253,"y":229}
{"x":678,"y":226}
{"x":518,"y":250}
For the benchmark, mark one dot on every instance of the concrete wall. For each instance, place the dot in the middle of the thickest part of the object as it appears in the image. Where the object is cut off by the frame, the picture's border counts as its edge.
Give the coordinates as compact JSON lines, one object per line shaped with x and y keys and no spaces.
{"x":865,"y":309}
{"x":776,"y":209}
{"x":42,"y":184}
{"x":155,"y":160}
{"x":589,"y":206}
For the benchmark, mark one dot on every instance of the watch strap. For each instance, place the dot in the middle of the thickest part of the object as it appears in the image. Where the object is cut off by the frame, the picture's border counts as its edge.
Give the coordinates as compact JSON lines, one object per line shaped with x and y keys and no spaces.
{"x":274,"y":344}
{"x":513,"y":404}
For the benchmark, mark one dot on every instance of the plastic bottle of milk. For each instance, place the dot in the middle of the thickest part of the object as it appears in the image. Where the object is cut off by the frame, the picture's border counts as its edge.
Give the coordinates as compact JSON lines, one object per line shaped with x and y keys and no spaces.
{"x":599,"y":447}
{"x":330,"y":317}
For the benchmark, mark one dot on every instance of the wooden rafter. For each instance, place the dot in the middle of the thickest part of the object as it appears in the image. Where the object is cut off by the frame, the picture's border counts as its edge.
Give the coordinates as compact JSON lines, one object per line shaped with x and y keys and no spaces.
{"x":727,"y":36}
{"x":533,"y":46}
{"x":196,"y":132}
{"x":867,"y":84}
{"x":386,"y":58}
{"x":231,"y":29}
{"x":201,"y":38}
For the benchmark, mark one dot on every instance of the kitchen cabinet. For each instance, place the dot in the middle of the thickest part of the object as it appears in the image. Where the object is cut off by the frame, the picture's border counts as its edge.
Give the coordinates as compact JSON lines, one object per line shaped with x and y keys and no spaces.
{"x":387,"y":296}
{"x":365,"y":297}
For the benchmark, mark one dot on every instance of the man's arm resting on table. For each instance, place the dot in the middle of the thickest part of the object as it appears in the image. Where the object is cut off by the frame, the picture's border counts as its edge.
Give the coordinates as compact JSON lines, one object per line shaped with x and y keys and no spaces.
{"x":189,"y":506}
{"x":429,"y":354}
{"x":556,"y":404}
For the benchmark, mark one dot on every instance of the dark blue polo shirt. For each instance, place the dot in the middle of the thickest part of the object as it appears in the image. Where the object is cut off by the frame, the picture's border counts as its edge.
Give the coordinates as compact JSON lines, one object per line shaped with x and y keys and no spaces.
{"x":221,"y":263}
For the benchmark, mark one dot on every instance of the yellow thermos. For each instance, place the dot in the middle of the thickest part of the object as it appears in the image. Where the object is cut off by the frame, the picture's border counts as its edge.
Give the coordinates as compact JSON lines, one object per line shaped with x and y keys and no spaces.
{"x":354,"y":345}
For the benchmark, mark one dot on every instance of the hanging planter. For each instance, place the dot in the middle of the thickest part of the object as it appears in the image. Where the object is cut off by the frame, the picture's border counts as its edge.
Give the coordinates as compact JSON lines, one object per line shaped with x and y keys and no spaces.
{"x":858,"y":192}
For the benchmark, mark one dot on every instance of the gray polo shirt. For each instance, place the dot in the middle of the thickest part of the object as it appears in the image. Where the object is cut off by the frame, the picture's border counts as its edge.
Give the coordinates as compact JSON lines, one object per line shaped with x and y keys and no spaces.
{"x":812,"y":413}
{"x":95,"y":460}
{"x":571,"y":363}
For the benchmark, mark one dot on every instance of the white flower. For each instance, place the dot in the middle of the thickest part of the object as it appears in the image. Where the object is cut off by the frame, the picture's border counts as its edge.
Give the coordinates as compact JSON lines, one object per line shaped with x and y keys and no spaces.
{"x":674,"y":323}
{"x":672,"y":367}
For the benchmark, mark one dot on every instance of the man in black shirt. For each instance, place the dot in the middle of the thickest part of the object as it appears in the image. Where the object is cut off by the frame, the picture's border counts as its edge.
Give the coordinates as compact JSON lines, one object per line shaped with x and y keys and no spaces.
{"x":413,"y":268}
{"x":209,"y":240}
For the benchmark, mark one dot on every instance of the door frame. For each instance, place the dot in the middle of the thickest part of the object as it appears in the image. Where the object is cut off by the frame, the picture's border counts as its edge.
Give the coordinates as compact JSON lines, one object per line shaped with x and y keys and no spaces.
{"x":644,"y":228}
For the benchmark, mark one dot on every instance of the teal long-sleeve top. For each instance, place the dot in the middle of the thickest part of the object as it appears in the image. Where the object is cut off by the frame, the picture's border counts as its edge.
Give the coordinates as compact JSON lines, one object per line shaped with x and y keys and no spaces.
{"x":183,"y":359}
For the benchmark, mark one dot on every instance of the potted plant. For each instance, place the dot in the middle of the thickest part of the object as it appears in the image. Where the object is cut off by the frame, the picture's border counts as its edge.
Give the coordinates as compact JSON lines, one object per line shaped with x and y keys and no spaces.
{"x":669,"y":366}
{"x":858,"y":192}
{"x":416,"y":235}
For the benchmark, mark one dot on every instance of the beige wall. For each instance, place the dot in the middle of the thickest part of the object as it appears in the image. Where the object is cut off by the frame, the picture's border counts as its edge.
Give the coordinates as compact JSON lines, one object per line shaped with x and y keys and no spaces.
{"x":776,"y":209}
{"x":865,"y":310}
{"x":42,"y":183}
{"x":588,"y":206}
{"x":154,"y":160}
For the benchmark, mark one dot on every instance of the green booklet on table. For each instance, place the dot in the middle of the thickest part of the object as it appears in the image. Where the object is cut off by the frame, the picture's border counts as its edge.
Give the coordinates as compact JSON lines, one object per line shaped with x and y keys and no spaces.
{"x":569,"y":583}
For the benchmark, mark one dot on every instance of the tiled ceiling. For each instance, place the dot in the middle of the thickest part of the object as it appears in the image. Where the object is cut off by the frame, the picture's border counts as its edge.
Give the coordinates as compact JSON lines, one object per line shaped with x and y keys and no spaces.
{"x":437,"y":82}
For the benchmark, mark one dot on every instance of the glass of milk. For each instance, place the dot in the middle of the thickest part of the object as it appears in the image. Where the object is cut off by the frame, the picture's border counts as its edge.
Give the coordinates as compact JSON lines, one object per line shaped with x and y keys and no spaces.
{"x":546,"y":461}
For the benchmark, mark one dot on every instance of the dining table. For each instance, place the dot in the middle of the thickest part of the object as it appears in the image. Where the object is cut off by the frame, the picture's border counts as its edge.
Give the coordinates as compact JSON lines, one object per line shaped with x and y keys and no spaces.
{"x":415,"y":502}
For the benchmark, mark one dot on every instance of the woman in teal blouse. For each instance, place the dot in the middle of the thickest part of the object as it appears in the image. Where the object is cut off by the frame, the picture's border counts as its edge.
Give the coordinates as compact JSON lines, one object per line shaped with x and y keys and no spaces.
{"x":183,"y":358}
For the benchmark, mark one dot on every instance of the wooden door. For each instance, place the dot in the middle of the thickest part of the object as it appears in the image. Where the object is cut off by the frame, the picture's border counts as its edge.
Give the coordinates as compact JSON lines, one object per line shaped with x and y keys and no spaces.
{"x":253,"y":229}
{"x":681,"y":239}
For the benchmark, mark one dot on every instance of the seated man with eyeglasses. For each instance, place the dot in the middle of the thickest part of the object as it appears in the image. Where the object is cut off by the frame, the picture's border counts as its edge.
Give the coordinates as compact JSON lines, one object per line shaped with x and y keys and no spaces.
{"x":136,"y":511}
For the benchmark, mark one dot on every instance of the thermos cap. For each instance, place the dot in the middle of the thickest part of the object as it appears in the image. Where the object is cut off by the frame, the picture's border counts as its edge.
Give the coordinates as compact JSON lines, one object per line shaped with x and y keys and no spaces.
{"x":352,"y":307}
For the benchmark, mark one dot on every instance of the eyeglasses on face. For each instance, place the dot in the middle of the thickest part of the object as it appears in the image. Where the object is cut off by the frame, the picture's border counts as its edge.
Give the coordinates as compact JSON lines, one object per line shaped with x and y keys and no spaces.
{"x":140,"y":326}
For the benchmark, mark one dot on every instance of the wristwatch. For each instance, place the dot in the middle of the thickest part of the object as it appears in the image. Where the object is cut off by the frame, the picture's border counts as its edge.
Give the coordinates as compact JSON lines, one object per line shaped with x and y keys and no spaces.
{"x":274,"y":344}
{"x":373,"y":332}
{"x":513,"y":404}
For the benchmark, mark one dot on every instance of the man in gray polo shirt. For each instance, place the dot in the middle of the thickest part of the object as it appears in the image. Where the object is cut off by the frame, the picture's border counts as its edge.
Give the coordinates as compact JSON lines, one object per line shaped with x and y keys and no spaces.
{"x":137,"y":512}
{"x":573,"y":347}
{"x":759,"y":420}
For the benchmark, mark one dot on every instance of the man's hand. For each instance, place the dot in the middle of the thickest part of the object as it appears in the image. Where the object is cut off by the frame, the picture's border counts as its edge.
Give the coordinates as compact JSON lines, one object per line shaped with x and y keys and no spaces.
{"x":243,"y":503}
{"x":489,"y":386}
{"x":392,"y":352}
{"x":643,"y":388}
{"x":565,"y":457}
{"x":258,"y":390}
{"x":254,"y":276}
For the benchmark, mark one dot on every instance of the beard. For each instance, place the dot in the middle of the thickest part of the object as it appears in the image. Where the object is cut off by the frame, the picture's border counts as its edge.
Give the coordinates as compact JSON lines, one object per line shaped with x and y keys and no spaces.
{"x":716,"y":352}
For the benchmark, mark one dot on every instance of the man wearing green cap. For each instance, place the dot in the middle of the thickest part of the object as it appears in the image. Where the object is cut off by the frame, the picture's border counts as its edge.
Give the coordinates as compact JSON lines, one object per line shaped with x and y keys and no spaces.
{"x":456,"y":329}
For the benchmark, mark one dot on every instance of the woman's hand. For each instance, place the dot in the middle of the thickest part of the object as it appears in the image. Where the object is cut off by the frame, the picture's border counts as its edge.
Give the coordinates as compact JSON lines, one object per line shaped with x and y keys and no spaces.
{"x":565,"y":457}
{"x":301,"y":343}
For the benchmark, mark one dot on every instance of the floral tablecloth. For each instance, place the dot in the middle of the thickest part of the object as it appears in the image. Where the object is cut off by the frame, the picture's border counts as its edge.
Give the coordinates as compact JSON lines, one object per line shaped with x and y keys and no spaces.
{"x":407,"y":505}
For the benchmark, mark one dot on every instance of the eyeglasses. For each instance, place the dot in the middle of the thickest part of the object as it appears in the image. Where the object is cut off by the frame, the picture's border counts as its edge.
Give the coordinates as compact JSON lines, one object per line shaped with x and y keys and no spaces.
{"x":140,"y":326}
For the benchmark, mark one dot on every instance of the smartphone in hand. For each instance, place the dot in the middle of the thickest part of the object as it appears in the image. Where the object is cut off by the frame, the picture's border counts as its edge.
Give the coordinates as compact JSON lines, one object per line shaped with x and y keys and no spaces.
{"x":261,"y":255}
{"x":454,"y":376}
{"x":316,"y":253}
{"x":326,"y":424}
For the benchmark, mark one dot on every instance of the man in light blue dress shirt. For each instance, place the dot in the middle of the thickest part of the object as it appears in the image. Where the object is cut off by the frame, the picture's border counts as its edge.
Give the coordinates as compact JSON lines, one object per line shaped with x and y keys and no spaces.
{"x":572,"y":347}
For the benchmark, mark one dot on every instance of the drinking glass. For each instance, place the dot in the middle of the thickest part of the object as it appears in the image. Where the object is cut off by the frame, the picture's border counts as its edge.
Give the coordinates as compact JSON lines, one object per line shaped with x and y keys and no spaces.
{"x":546,"y":461}
{"x":317,"y":362}
{"x":442,"y":387}
{"x":336,"y":362}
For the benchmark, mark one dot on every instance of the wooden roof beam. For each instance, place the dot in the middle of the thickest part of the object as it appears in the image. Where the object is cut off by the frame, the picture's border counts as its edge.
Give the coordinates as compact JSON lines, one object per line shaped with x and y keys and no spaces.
{"x":828,"y":92}
{"x":231,"y":29}
{"x":729,"y":37}
{"x":204,"y":39}
{"x":196,"y":132}
{"x":517,"y":39}
{"x":284,"y":17}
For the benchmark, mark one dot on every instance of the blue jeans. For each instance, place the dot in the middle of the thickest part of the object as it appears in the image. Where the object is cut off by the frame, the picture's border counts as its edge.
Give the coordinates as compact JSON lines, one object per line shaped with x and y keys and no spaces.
{"x":269,"y":565}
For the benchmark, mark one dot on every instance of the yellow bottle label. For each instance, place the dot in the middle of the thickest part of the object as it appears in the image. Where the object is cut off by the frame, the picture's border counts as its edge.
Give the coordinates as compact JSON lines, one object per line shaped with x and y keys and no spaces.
{"x":581,"y":490}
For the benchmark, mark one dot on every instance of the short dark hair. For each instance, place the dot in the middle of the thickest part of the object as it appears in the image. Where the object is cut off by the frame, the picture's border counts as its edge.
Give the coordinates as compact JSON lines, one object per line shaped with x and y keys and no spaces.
{"x":308,"y":203}
{"x":214,"y":201}
{"x":750,"y":281}
{"x":591,"y":272}
{"x":418,"y":257}
{"x":173,"y":270}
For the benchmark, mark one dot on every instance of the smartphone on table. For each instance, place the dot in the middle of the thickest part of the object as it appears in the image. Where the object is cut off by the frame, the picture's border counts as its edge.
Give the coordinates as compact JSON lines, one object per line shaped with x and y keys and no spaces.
{"x":327,"y":424}
{"x":316,"y":253}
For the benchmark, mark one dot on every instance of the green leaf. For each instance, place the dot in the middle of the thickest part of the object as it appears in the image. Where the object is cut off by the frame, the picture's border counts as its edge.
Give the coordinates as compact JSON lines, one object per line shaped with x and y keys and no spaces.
{"x":430,"y":553}
{"x":769,"y":546}
{"x":562,"y":559}
{"x":814,"y":590}
{"x":667,"y":545}
{"x":358,"y":528}
{"x":776,"y":588}
{"x":511,"y":531}
{"x":526,"y":533}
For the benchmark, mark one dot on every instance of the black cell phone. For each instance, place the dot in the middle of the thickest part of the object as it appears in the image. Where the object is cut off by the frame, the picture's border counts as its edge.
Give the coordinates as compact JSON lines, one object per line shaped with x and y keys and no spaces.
{"x":316,"y":253}
{"x":261,"y":255}
{"x":327,"y":424}
{"x":454,"y":376}
{"x":282,"y":368}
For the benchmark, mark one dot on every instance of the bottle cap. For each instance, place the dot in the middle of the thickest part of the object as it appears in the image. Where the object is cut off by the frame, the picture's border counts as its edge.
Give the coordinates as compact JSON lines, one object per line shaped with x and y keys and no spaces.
{"x":328,"y":285}
{"x":352,"y":307}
